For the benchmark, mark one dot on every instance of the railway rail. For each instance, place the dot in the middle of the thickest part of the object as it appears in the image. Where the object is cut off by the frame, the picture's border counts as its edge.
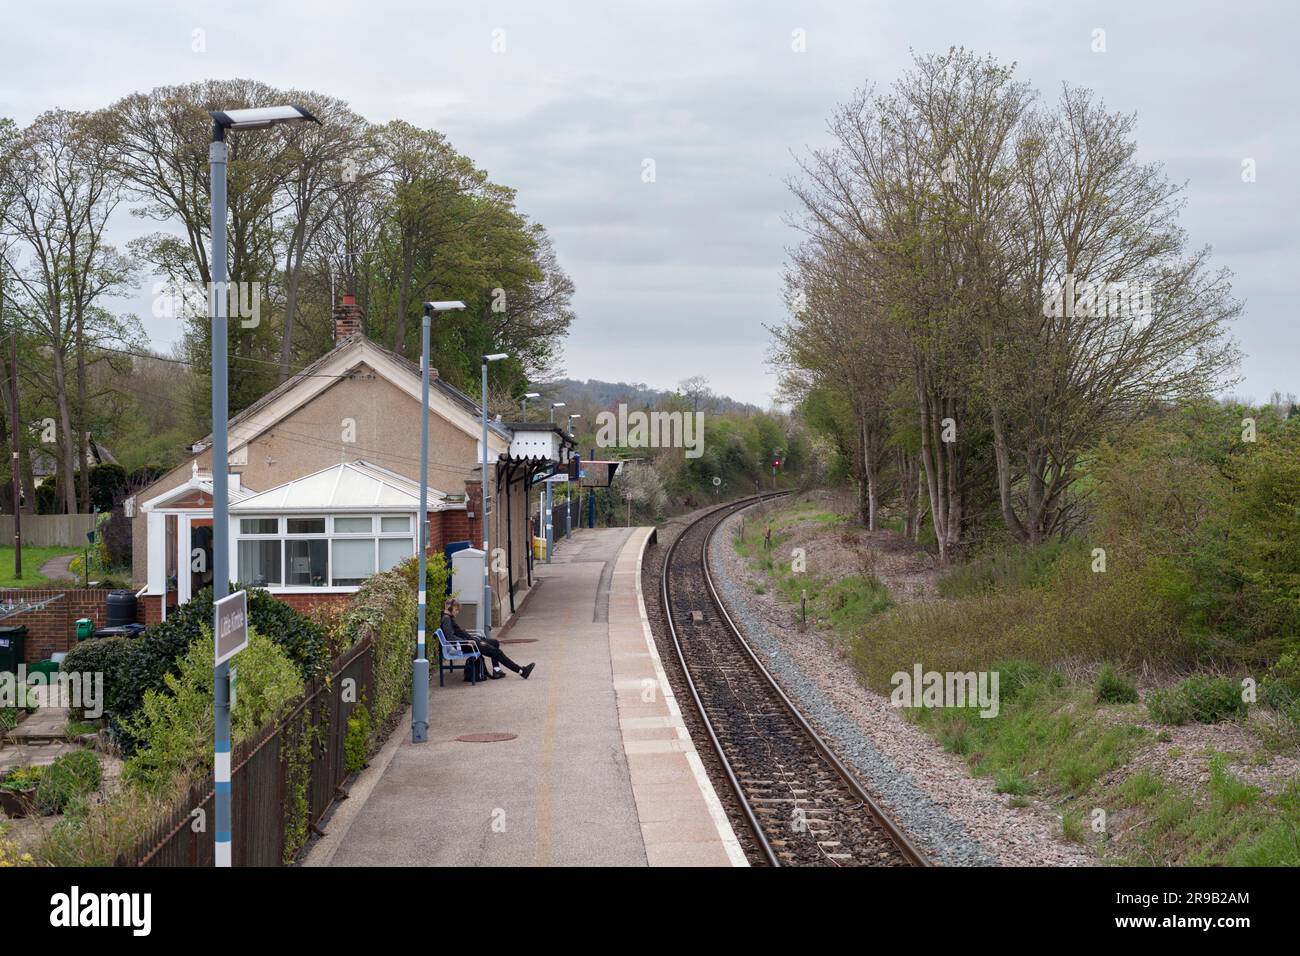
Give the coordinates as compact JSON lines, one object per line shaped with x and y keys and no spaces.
{"x":803,"y":806}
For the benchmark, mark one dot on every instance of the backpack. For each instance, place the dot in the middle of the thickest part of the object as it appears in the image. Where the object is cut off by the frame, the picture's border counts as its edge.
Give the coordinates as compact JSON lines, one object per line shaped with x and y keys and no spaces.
{"x":477,"y":664}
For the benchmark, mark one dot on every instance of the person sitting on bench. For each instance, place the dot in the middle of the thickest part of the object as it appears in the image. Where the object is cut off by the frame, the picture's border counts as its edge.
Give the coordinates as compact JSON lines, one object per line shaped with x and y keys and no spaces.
{"x":488,"y":646}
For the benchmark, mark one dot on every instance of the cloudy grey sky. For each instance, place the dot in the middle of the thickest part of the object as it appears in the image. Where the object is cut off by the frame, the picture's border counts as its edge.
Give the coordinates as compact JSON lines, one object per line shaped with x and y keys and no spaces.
{"x":677,"y":277}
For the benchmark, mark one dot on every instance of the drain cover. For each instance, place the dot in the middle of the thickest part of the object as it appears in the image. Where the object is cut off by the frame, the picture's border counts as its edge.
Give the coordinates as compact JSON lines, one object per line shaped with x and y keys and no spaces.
{"x":519,"y":640}
{"x":490,"y":738}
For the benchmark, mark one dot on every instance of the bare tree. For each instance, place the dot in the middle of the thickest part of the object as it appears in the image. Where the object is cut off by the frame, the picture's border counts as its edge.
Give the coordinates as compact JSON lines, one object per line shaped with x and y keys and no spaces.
{"x":990,"y":254}
{"x":62,"y":195}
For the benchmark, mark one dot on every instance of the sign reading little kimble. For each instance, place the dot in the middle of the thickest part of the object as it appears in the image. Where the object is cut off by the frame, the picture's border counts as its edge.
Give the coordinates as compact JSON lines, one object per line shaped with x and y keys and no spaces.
{"x":231,"y":625}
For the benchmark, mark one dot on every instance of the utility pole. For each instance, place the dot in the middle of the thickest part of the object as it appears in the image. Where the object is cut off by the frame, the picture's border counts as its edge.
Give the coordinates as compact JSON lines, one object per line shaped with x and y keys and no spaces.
{"x":15,"y":458}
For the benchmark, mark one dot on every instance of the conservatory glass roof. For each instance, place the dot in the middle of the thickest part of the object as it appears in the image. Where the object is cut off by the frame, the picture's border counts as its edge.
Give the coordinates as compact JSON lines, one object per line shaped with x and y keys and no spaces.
{"x":353,"y":486}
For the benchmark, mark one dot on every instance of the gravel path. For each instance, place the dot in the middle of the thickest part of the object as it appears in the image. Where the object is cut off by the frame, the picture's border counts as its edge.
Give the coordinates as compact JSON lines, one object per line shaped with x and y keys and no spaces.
{"x":959,"y":819}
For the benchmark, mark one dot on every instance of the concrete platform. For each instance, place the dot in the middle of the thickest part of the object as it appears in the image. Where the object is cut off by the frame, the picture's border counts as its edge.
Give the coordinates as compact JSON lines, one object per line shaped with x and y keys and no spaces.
{"x":601,"y":771}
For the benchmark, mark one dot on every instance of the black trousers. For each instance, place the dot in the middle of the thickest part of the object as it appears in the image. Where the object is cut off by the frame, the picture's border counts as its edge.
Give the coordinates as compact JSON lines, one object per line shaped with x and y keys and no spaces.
{"x":491,"y":648}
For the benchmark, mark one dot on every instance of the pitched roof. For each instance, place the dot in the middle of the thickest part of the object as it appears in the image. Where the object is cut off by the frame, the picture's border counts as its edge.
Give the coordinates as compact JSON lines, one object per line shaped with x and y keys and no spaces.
{"x":200,"y":481}
{"x":316,"y":369}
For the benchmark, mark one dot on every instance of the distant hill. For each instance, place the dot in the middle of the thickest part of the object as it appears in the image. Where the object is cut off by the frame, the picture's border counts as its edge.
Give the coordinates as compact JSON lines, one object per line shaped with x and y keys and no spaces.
{"x":594,"y":392}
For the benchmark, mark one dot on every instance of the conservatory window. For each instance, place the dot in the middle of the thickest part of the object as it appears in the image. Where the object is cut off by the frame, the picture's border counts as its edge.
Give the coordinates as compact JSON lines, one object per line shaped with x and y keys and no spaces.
{"x":306,"y":562}
{"x":259,"y":562}
{"x":354,"y":560}
{"x":316,"y":552}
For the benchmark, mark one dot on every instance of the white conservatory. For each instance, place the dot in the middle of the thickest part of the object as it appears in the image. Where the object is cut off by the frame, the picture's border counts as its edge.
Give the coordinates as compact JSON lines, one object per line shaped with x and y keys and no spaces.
{"x":324,"y":532}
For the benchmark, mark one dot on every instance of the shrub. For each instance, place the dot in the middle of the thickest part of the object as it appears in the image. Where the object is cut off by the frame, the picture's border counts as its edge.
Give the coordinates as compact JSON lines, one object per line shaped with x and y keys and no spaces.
{"x":1114,"y":688}
{"x":356,"y":745}
{"x":1009,"y":568}
{"x":70,"y":777}
{"x":173,"y":726}
{"x":437,"y":577}
{"x":301,"y":639}
{"x":1014,"y":676}
{"x":95,"y":834}
{"x":1280,"y":687}
{"x":156,"y":653}
{"x":1249,"y":561}
{"x":10,"y":854}
{"x":108,"y":483}
{"x":385,"y":609}
{"x":104,"y":655}
{"x":1202,"y":699}
{"x":21,"y":778}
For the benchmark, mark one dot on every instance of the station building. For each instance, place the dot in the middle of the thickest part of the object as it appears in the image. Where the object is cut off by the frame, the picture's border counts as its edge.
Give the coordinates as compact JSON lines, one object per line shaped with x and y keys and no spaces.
{"x":324,"y":485}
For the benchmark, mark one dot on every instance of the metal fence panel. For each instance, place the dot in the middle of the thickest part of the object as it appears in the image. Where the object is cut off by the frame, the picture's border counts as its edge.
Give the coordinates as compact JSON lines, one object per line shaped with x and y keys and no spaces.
{"x":260,"y":787}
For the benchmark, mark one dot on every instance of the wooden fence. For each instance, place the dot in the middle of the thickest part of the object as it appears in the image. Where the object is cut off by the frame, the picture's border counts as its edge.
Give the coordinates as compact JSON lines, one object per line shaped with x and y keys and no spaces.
{"x":273,"y":789}
{"x":49,"y":531}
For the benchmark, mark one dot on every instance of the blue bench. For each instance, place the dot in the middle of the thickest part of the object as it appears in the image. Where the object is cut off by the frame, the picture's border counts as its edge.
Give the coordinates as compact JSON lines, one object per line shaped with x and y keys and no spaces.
{"x":451,"y":652}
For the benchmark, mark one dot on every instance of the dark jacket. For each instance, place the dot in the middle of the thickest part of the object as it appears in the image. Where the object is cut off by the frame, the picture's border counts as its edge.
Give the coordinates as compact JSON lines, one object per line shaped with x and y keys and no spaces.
{"x":453,"y":631}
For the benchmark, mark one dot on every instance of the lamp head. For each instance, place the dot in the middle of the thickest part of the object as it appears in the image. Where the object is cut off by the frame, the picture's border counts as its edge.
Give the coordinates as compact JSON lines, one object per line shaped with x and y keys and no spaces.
{"x":259,"y":117}
{"x":454,"y":305}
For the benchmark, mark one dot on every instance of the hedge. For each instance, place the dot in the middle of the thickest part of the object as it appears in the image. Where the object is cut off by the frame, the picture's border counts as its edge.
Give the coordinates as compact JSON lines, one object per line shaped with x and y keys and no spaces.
{"x":385,"y":608}
{"x":156,"y":653}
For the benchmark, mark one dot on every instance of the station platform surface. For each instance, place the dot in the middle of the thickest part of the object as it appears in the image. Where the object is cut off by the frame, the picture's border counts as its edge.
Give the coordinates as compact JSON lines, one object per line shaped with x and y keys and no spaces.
{"x":600,"y":771}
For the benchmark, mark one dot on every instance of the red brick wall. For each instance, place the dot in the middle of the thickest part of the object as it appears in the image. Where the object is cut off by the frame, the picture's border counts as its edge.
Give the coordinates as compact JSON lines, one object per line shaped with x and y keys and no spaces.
{"x":149,"y":608}
{"x":305,"y":602}
{"x":436,"y":540}
{"x":53,"y":628}
{"x":456,"y":527}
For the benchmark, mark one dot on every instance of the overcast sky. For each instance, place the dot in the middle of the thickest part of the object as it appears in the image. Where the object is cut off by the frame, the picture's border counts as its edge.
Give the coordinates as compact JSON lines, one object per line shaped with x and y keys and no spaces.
{"x":678,"y":277}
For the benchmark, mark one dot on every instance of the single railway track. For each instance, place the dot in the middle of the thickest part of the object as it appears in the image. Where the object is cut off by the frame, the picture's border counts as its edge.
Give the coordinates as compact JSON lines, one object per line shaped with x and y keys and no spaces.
{"x":804,"y":807}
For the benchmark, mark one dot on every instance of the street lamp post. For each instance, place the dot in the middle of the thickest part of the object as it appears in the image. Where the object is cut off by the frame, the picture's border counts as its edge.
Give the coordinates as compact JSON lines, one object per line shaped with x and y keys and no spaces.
{"x":527,"y":396}
{"x":550,"y":499}
{"x":420,"y":669}
{"x":486,"y":612}
{"x":568,"y":492}
{"x":218,"y":154}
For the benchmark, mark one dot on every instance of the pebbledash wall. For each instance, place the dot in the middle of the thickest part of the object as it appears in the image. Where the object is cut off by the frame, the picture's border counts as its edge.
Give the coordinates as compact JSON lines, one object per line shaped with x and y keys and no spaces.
{"x":54,"y":627}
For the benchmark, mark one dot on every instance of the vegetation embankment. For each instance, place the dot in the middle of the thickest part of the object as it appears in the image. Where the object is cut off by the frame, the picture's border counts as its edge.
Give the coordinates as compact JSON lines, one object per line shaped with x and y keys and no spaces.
{"x":1153,"y":739}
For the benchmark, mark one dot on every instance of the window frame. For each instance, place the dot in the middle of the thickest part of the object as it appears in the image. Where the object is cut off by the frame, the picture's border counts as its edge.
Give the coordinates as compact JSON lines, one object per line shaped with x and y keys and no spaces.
{"x":375,"y":535}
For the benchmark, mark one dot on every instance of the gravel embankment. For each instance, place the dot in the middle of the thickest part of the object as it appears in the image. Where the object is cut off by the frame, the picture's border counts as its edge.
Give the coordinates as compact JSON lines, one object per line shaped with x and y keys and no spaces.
{"x":958,"y":818}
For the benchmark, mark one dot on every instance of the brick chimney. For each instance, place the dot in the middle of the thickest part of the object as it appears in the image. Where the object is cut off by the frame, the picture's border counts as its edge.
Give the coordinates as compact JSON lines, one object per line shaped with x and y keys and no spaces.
{"x":348,"y":319}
